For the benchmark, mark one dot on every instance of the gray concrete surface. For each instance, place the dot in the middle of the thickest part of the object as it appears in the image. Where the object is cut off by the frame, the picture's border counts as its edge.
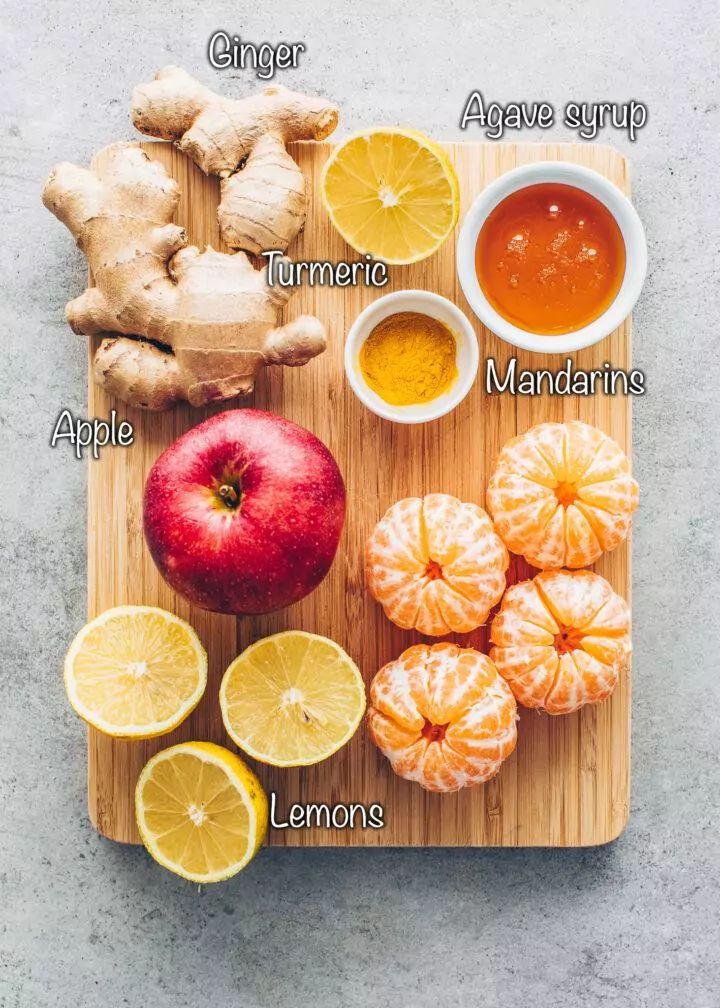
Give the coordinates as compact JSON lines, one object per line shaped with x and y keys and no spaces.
{"x":84,"y":922}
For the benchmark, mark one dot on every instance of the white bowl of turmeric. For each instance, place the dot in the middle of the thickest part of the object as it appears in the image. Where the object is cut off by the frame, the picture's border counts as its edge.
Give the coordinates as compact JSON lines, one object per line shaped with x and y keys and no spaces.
{"x":411,"y":356}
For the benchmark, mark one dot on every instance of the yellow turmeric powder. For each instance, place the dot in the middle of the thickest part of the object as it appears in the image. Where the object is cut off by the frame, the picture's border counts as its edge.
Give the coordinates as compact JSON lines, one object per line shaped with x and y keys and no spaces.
{"x":409,"y":358}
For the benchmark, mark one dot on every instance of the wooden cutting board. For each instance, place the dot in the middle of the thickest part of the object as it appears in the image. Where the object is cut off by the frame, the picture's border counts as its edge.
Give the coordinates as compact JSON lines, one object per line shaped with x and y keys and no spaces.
{"x":568,"y":782}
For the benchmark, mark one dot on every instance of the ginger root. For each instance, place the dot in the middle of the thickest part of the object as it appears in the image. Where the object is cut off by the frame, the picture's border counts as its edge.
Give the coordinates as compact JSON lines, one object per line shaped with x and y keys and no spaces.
{"x":263,"y":200}
{"x":204,"y":323}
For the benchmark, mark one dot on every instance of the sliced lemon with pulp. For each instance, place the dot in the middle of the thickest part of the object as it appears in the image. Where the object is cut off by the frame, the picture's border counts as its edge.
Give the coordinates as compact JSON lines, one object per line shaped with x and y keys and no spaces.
{"x":392,"y":193}
{"x":135,"y":672}
{"x":201,"y":812}
{"x":292,"y":699}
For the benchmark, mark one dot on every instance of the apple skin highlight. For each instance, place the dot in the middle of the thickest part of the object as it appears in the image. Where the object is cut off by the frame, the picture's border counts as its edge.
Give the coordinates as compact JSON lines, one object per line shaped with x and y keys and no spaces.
{"x":243,"y":513}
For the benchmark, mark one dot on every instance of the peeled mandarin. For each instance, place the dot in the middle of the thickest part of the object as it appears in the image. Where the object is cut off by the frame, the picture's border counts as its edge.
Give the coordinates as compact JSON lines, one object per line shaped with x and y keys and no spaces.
{"x":561,"y":640}
{"x":443,"y":716}
{"x":562,"y":494}
{"x":436,"y":565}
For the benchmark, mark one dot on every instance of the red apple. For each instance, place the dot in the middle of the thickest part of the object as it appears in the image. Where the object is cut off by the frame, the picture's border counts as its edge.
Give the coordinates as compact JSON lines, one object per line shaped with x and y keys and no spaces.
{"x":243,"y":513}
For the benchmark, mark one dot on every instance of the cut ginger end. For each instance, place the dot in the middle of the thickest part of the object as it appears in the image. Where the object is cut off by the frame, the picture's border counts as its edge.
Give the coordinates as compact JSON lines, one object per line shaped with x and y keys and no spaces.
{"x":561,"y":640}
{"x":442,"y":716}
{"x":436,"y":565}
{"x":562,"y":494}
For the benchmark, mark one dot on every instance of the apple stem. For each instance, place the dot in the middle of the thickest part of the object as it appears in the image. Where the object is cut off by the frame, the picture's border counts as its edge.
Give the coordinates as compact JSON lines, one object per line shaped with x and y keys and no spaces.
{"x":229,"y":494}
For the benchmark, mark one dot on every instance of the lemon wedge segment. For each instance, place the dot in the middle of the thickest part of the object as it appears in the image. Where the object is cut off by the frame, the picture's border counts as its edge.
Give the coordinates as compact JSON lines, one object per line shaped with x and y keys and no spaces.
{"x":135,"y":672}
{"x":392,"y":193}
{"x":292,"y":699}
{"x":201,"y":812}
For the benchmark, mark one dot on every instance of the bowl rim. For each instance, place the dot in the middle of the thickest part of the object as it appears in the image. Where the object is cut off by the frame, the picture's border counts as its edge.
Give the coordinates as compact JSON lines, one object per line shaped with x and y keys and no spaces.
{"x":597,"y":185}
{"x":389,"y":304}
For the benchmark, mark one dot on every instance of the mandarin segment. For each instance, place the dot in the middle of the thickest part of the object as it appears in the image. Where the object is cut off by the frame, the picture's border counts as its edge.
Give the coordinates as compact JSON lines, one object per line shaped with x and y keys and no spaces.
{"x":561,"y":640}
{"x":562,"y":494}
{"x":523,"y":613}
{"x":442,"y":716}
{"x":573,"y":601}
{"x":529,"y":670}
{"x":436,"y":565}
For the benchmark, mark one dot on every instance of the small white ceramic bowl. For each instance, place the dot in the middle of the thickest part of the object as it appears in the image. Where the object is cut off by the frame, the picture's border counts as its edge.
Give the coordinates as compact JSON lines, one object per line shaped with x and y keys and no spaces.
{"x":603,"y":190}
{"x":428,"y":304}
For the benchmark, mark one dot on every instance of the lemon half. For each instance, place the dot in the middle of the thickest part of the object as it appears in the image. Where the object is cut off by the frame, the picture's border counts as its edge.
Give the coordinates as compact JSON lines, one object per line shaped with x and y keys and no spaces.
{"x":135,"y":672}
{"x":200,"y":811}
{"x":392,"y":193}
{"x":292,"y":699}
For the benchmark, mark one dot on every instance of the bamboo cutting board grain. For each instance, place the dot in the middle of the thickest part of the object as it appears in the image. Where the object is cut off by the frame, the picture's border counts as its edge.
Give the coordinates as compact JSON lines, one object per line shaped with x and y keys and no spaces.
{"x":568,"y":782}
